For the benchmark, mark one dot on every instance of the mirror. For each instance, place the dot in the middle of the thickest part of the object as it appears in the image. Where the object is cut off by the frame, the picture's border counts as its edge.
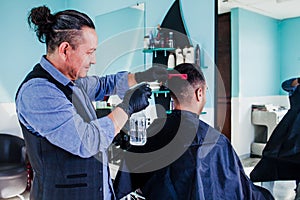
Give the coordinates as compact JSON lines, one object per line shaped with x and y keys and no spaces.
{"x":259,"y":53}
{"x":121,"y":34}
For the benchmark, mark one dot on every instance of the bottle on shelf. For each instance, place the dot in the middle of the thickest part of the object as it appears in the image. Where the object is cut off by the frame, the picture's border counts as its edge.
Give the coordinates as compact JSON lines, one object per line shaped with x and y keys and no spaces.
{"x":171,"y":61}
{"x":146,"y":42}
{"x":157,"y":36}
{"x":171,"y":40}
{"x":192,"y":51}
{"x":189,"y":54}
{"x":151,"y":40}
{"x":184,"y":51}
{"x":179,"y":56}
{"x":171,"y":104}
{"x":197,"y":55}
{"x":162,"y":40}
{"x":188,"y":57}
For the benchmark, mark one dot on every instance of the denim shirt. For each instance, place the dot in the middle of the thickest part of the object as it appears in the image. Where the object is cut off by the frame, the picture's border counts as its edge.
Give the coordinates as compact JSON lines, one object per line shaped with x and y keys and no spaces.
{"x":44,"y":110}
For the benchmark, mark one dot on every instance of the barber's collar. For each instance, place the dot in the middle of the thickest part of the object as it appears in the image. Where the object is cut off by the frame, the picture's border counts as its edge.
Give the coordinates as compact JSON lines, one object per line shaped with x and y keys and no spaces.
{"x":55,"y":73}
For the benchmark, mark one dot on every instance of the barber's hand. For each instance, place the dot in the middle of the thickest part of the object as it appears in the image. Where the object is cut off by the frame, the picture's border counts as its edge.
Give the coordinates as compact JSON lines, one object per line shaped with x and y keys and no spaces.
{"x":136,"y":99}
{"x":152,"y":74}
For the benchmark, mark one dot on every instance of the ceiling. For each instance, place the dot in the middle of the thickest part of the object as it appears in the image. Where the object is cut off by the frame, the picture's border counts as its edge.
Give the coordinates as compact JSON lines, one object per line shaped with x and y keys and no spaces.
{"x":279,"y":9}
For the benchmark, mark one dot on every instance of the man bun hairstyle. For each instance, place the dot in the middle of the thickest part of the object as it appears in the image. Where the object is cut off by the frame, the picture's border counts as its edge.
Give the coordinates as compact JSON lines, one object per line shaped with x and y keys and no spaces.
{"x":63,"y":26}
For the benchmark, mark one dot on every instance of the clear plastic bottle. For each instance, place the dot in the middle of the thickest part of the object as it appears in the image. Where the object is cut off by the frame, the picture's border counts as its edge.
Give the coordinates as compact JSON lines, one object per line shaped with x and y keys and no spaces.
{"x":138,"y":126}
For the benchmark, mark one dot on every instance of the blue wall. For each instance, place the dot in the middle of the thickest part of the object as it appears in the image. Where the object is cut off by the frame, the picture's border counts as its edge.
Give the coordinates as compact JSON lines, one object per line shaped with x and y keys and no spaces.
{"x":289,"y":48}
{"x":265,"y":52}
{"x":255,"y":54}
{"x":20,"y":49}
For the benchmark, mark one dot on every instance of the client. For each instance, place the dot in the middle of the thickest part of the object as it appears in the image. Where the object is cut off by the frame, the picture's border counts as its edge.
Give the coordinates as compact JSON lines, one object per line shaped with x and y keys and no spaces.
{"x":185,"y":158}
{"x":281,"y":156}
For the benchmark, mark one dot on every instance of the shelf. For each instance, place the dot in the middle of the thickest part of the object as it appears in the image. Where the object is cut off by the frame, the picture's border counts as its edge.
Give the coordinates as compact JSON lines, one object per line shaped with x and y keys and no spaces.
{"x":157,"y":49}
{"x":151,"y":50}
{"x":160,"y":91}
{"x":157,"y":92}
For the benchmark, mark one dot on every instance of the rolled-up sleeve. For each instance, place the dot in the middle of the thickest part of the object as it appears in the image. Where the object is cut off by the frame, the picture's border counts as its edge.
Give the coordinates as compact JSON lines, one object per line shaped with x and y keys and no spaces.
{"x":99,"y":87}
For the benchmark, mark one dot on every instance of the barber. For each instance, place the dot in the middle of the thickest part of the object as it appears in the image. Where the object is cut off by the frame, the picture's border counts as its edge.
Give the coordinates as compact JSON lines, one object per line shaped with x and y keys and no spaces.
{"x":65,"y":141}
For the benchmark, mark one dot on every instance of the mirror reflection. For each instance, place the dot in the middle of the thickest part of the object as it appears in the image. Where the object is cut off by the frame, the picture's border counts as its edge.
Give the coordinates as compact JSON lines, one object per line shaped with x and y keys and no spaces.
{"x":120,"y":35}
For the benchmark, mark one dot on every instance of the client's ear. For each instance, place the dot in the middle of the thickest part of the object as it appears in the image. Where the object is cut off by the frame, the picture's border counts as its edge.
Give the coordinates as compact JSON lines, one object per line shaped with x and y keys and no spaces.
{"x":199,"y":94}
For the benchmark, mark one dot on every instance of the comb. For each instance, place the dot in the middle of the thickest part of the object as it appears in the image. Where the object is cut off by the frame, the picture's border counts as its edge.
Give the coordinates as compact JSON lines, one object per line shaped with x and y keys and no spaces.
{"x":182,"y":76}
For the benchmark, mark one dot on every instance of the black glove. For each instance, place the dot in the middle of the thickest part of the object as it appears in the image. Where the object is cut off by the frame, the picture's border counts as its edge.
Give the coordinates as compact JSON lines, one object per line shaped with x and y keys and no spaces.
{"x":136,"y":99}
{"x":122,"y":140}
{"x":152,"y":74}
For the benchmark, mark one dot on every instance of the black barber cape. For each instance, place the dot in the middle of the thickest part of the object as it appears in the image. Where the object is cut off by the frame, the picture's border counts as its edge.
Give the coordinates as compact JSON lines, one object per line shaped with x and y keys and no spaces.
{"x":281,"y":156}
{"x":184,"y":158}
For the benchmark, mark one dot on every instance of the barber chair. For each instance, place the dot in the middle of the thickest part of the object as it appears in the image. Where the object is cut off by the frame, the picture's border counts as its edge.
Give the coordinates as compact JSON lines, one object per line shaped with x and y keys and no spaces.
{"x":13,"y":173}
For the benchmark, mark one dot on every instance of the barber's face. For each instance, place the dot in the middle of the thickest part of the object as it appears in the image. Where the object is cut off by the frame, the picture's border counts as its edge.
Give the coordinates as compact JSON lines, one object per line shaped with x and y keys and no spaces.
{"x":81,"y":58}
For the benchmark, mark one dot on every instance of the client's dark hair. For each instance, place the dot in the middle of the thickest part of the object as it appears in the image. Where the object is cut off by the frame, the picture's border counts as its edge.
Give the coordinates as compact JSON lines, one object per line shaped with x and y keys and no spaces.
{"x":61,"y":27}
{"x":182,"y":89}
